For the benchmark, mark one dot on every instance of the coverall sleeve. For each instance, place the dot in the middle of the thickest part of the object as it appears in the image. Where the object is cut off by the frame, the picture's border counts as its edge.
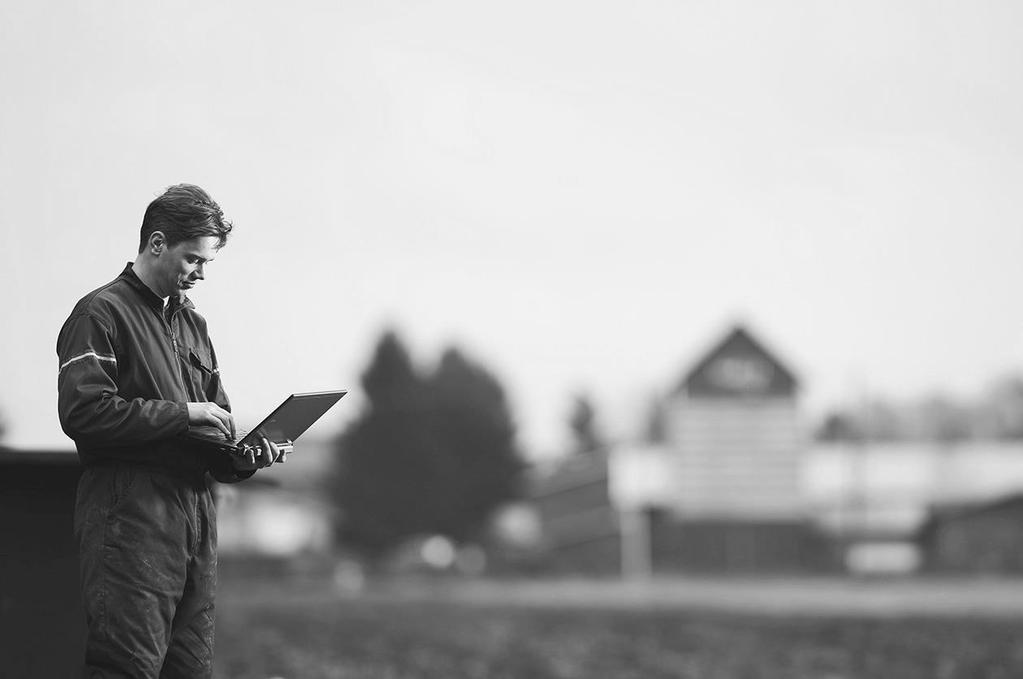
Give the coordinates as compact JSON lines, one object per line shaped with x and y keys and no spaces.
{"x":223,"y":471}
{"x":88,"y":403}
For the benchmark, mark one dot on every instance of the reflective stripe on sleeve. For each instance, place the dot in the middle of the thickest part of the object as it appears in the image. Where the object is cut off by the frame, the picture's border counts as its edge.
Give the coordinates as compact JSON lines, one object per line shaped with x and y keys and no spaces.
{"x":87,"y":354}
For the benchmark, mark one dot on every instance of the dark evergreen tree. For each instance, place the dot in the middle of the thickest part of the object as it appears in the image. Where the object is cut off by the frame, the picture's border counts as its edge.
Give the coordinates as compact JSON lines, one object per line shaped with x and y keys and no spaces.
{"x":389,"y":462}
{"x":1002,"y":409}
{"x":427,"y":455}
{"x":839,"y":427}
{"x":582,"y":420}
{"x":473,"y":426}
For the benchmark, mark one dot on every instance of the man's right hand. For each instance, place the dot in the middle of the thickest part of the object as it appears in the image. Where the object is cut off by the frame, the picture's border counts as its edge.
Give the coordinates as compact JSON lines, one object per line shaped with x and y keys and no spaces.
{"x":211,"y":414}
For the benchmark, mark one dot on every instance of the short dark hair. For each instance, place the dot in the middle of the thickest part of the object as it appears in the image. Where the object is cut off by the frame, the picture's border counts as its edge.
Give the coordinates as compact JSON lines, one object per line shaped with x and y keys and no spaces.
{"x":184,"y":212}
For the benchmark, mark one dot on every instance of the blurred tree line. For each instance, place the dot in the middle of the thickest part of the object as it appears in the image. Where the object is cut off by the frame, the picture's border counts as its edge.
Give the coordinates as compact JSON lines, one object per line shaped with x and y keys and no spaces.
{"x":432,"y":452}
{"x":996,"y":415}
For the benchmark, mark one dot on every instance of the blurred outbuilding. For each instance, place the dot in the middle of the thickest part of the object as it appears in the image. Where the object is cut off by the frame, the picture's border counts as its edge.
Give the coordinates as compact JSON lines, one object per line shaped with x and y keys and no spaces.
{"x":42,"y":623}
{"x":578,"y":520}
{"x":975,"y":537}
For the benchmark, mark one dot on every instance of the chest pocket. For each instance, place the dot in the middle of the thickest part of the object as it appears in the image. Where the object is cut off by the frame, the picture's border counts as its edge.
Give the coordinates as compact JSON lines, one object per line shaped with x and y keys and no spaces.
{"x":201,"y":372}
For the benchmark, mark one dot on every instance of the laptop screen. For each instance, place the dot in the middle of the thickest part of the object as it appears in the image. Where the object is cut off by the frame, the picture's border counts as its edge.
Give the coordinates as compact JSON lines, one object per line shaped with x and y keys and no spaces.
{"x":290,"y":419}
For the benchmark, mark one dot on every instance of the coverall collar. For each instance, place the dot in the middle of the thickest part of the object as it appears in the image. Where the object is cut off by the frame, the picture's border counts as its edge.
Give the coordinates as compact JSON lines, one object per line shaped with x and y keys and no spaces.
{"x":150,"y":297}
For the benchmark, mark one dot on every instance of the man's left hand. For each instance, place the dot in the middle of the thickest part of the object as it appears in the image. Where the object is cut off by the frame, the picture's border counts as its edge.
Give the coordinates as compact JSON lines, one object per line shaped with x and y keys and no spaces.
{"x":264,"y":456}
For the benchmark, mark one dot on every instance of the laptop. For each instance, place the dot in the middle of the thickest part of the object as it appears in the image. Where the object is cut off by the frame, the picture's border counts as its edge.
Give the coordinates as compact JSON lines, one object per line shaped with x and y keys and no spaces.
{"x":283,"y":426}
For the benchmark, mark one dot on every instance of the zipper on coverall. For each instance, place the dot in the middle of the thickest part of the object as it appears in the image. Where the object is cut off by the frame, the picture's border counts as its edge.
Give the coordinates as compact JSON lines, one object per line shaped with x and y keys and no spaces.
{"x":168,"y":320}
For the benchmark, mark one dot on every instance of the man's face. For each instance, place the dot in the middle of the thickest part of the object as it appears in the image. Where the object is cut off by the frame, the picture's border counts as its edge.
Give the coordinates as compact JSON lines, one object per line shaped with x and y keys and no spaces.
{"x":181,"y":266}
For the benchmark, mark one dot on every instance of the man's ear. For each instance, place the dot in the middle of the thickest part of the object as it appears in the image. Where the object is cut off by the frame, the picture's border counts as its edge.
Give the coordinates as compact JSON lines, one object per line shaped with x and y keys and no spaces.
{"x":157,"y":243}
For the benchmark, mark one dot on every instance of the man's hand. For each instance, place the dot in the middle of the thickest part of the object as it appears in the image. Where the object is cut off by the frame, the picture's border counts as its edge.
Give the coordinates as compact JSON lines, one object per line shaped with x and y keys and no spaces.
{"x":213,"y":415}
{"x":264,"y":457}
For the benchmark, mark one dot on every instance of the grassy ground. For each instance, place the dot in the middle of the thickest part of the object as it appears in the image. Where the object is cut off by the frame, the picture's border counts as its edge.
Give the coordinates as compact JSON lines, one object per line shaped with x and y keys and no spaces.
{"x":423,"y":631}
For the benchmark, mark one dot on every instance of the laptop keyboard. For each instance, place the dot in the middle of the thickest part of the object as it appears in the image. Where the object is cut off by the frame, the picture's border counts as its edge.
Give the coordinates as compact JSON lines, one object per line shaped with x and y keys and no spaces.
{"x":214,"y":434}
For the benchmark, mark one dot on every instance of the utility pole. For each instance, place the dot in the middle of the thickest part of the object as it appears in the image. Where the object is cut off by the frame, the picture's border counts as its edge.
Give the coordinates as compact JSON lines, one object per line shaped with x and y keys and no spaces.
{"x":634,"y":526}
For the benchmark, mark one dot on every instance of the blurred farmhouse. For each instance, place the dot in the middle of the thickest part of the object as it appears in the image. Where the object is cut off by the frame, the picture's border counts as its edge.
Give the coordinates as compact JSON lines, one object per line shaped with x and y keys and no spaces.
{"x":720,"y":491}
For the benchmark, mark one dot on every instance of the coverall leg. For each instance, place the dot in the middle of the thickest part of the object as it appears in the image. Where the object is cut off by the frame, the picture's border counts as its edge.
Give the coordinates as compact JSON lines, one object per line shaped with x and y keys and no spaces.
{"x":147,"y":544}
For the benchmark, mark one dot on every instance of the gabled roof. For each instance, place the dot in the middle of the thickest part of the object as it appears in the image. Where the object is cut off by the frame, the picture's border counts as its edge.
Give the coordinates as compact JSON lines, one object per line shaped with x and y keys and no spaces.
{"x":738,"y":365}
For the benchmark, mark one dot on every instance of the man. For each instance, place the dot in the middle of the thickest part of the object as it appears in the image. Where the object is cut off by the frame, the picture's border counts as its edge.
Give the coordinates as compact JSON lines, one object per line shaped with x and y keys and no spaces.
{"x":136,"y":370}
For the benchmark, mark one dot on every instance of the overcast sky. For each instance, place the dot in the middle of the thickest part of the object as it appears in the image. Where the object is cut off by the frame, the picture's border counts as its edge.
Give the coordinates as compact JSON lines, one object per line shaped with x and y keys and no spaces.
{"x":582,"y":195}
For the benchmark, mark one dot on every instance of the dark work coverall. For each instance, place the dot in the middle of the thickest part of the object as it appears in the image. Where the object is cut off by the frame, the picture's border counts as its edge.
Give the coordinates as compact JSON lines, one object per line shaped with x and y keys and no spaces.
{"x":145,"y":519}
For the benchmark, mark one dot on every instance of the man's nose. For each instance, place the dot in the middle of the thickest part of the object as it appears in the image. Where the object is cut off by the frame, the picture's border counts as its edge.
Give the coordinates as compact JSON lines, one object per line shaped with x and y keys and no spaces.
{"x":199,"y":272}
